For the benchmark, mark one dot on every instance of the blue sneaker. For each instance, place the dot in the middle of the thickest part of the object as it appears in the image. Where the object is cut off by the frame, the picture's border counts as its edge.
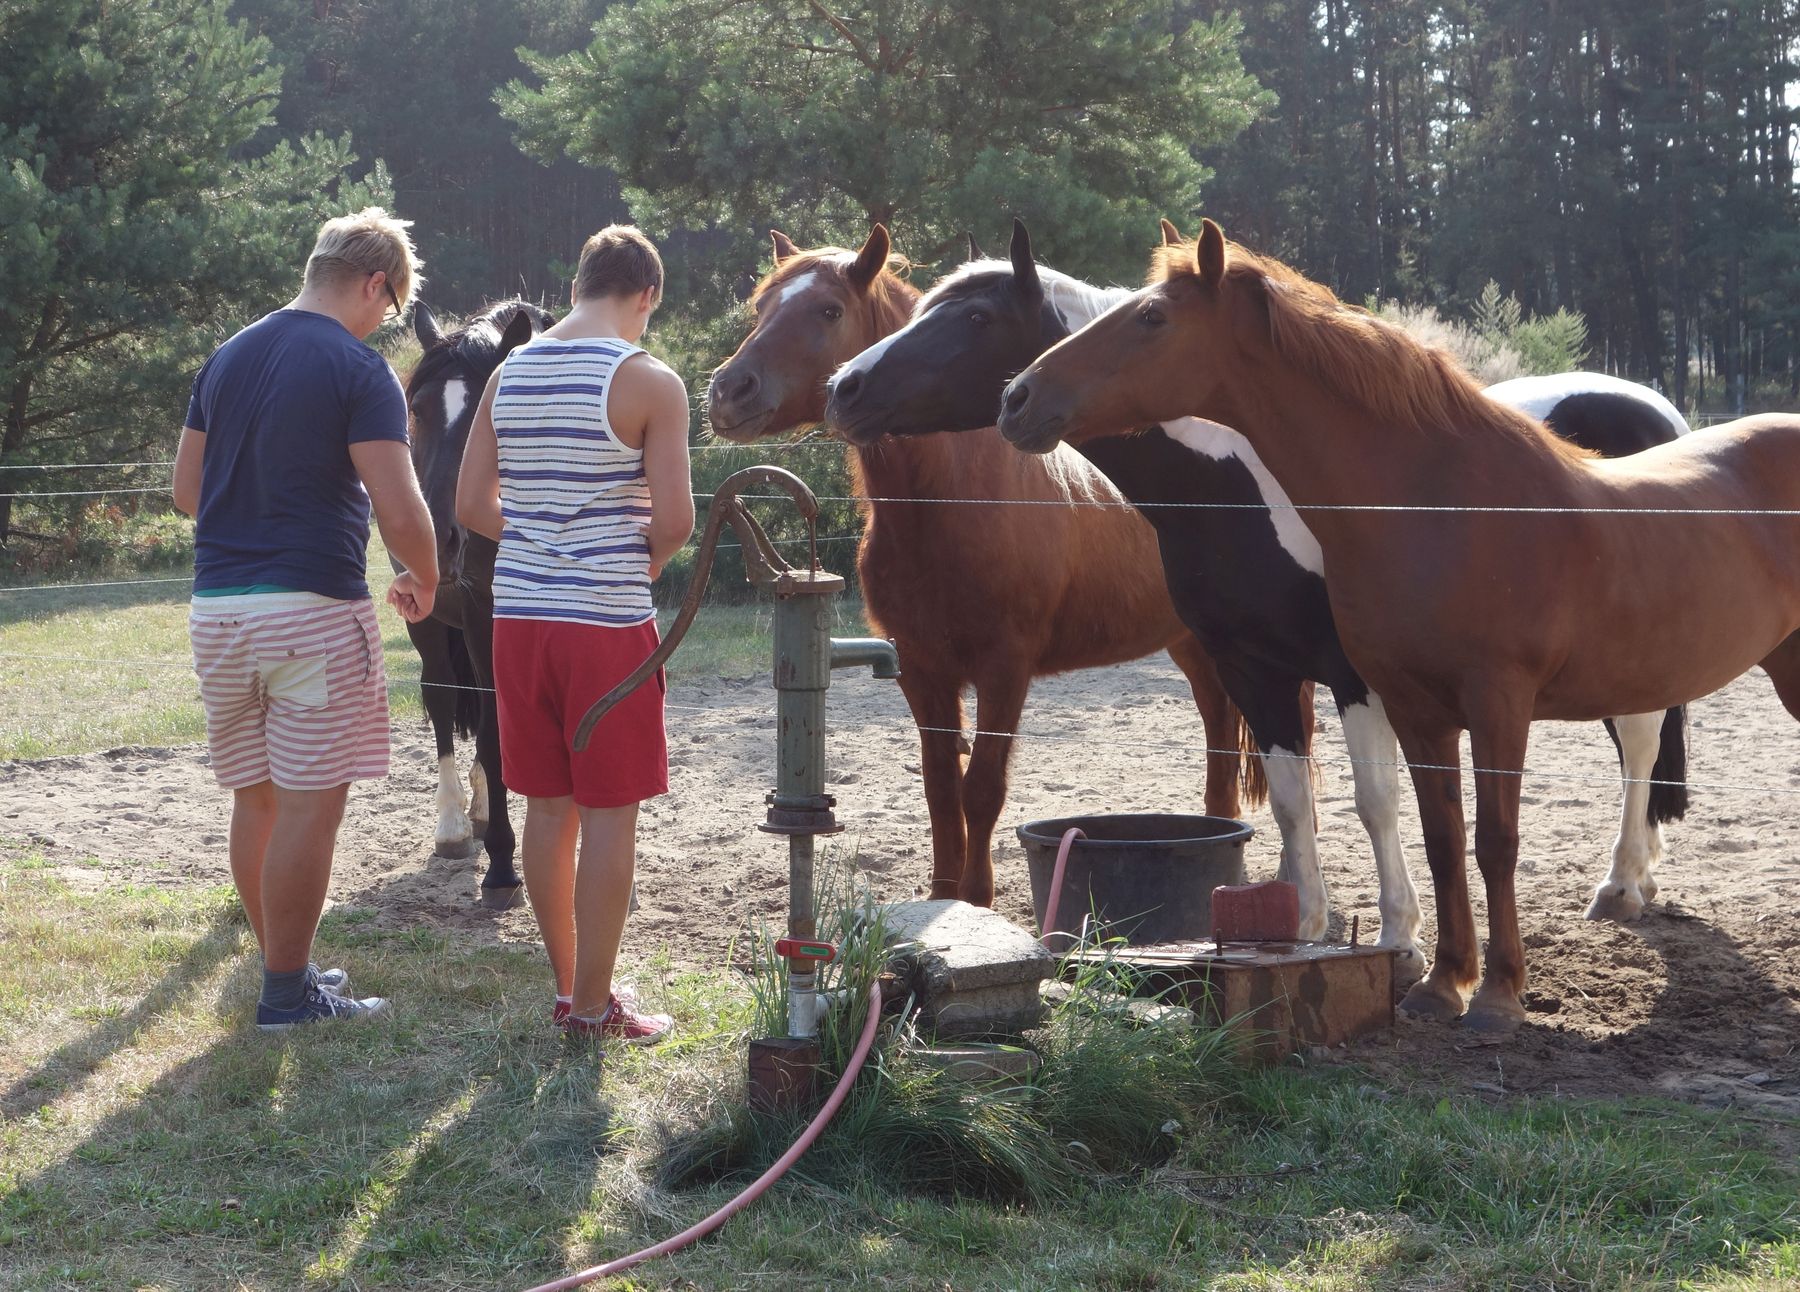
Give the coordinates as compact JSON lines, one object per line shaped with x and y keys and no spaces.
{"x":317,"y":1006}
{"x":335,"y":981}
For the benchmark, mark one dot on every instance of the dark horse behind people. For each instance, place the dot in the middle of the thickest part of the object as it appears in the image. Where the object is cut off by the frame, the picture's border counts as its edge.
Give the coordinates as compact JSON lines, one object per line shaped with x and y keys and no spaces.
{"x":456,"y":645}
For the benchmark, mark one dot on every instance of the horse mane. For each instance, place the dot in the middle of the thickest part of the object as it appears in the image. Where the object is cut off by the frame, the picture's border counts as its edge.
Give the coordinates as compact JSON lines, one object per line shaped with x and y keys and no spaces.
{"x":1401,"y":380}
{"x":890,"y":296}
{"x":1077,"y":302}
{"x":472,"y":345}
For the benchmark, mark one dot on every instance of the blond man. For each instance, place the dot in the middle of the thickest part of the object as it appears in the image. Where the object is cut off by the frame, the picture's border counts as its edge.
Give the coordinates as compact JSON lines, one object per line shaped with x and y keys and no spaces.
{"x":295,"y":430}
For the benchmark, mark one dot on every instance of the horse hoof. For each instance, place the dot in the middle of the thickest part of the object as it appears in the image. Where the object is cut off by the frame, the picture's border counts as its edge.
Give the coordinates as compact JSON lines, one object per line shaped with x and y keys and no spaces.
{"x":456,"y":849}
{"x":1409,"y":966}
{"x":501,"y":897}
{"x":1494,"y":1020}
{"x":1425,"y":1002}
{"x":1616,"y":903}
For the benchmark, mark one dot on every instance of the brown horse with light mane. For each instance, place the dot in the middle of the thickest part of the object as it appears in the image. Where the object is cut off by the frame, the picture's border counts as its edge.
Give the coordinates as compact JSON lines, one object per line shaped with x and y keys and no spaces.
{"x":988,"y":597}
{"x":1447,"y":522}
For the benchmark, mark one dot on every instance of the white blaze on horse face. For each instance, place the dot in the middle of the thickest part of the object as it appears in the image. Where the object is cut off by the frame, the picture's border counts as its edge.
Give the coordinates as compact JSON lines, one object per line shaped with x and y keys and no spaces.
{"x":801,"y":284}
{"x":868,"y":358}
{"x":1211,"y":440}
{"x":456,"y":398}
{"x":1291,"y":800}
{"x":1375,"y":766}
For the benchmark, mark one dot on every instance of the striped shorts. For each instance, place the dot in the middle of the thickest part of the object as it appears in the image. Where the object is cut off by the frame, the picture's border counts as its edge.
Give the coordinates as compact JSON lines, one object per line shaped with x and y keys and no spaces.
{"x":294,"y":689}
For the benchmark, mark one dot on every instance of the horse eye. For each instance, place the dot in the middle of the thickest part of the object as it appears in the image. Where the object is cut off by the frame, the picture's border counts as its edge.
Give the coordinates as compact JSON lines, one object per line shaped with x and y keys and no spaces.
{"x":1152,"y":317}
{"x":978,"y":317}
{"x":832,"y":313}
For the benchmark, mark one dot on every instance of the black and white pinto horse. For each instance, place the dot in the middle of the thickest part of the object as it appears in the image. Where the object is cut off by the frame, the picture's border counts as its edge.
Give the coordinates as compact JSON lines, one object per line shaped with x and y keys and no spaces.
{"x":456,"y":644}
{"x":1246,"y":575}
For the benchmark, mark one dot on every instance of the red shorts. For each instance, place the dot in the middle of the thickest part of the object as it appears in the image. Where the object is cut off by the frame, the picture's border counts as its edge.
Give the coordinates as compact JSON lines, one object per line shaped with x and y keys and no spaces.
{"x":546,"y":675}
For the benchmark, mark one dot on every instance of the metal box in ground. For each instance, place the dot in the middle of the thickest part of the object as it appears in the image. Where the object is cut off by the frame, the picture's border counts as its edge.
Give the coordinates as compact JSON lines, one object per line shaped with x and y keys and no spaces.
{"x":1145,"y":877}
{"x":1279,"y":996}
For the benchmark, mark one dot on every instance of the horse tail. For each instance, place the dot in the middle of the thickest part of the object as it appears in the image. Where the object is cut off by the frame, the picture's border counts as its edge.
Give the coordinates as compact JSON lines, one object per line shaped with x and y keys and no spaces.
{"x":1669,"y":792}
{"x":468,"y":695}
{"x":1253,"y":778}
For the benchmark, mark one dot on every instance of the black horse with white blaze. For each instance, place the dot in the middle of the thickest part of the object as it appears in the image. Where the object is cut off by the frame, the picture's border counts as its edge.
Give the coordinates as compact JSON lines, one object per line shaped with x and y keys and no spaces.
{"x":1245,"y":573}
{"x":456,"y":644}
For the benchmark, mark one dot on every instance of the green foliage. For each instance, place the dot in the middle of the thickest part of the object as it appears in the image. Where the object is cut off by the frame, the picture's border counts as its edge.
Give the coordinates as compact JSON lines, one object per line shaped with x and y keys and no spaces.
{"x":412,"y":81}
{"x":935,"y":118}
{"x":1500,"y":341}
{"x":138,"y":226}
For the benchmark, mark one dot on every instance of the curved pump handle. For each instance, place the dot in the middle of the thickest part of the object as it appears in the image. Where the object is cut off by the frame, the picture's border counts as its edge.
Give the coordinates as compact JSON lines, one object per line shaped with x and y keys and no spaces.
{"x":761,"y":560}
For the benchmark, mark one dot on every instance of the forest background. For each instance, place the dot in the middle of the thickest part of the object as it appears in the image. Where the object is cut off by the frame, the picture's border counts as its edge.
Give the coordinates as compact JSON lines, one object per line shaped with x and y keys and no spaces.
{"x":1620,"y":172}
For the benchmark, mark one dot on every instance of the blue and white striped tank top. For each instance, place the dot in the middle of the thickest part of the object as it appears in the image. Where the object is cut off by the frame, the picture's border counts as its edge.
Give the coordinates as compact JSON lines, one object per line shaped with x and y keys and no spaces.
{"x":573,"y":499}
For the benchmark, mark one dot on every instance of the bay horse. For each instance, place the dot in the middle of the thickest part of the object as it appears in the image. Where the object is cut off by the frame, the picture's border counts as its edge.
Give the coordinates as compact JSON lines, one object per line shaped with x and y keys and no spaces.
{"x":1245,"y":575}
{"x":987,"y":598}
{"x":1483,"y":573}
{"x":456,"y":644}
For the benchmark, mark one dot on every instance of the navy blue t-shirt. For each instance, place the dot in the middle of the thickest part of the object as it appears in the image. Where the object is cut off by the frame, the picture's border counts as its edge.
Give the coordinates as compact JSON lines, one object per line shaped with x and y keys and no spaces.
{"x":281,"y":504}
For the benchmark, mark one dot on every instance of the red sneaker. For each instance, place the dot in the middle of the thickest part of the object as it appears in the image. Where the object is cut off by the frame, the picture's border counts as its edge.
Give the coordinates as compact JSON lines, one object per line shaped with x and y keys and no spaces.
{"x":559,"y":1011}
{"x":621,"y":1024}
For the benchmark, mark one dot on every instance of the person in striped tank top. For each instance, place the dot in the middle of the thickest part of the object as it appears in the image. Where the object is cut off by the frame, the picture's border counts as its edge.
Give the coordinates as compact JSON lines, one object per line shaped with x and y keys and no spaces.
{"x":577,"y":465}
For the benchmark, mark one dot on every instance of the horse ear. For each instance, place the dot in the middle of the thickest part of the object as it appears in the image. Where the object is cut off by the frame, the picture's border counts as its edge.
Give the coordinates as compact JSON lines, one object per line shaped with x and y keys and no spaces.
{"x":519,"y":329}
{"x":1024,"y":266}
{"x":1171,"y":235}
{"x":872,"y":259}
{"x":784,"y":246}
{"x":425,"y":325}
{"x":974,"y":248}
{"x":1209,"y":253}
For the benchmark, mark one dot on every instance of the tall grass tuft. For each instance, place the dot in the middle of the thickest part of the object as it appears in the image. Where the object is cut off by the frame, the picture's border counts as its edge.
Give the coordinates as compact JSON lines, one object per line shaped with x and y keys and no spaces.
{"x":1110,"y":1095}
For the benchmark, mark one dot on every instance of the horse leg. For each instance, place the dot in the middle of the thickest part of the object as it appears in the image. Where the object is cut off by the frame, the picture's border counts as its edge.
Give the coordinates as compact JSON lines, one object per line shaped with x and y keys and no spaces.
{"x":1222,"y":723}
{"x":1375,"y":767}
{"x":454,"y":837}
{"x":998,"y":704}
{"x":1783,"y":667}
{"x":936,"y":705}
{"x":1498,"y":746}
{"x":501,"y":886}
{"x":1628,"y":885}
{"x":1435,"y":760}
{"x":1277,"y":706}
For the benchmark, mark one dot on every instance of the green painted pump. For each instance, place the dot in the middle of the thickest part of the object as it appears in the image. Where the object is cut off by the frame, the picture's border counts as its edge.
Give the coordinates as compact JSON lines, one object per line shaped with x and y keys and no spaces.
{"x":805,"y":654}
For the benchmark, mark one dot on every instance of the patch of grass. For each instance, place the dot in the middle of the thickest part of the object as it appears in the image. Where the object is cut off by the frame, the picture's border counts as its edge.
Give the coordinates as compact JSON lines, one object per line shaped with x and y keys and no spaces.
{"x":150,"y":1137}
{"x":97,"y":668}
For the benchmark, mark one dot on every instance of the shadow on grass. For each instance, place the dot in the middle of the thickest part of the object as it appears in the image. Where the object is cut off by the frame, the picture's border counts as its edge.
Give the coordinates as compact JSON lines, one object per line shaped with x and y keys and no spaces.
{"x":36,"y":601}
{"x":75,"y":1061}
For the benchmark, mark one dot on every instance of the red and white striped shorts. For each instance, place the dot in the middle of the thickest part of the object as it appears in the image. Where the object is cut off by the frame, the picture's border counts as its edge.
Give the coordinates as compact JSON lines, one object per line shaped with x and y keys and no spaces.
{"x":294,"y":689}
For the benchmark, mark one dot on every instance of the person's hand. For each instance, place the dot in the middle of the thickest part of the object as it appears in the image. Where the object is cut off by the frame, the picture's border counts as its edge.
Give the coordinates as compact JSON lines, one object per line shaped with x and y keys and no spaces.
{"x":411,"y":598}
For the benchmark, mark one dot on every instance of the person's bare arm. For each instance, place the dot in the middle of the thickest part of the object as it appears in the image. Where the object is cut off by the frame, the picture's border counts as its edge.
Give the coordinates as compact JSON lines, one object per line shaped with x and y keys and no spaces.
{"x":187,"y":470}
{"x":478,"y":482}
{"x":386,"y":469}
{"x":661,"y":396}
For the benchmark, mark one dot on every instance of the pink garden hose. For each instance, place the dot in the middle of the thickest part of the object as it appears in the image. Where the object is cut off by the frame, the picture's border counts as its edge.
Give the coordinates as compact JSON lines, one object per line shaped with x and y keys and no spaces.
{"x":1070,"y":835}
{"x":838,"y":1094}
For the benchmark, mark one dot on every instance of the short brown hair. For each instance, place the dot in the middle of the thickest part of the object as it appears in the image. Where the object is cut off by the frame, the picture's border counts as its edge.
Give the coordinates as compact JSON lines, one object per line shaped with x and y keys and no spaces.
{"x":354,"y":246}
{"x":618,"y":261}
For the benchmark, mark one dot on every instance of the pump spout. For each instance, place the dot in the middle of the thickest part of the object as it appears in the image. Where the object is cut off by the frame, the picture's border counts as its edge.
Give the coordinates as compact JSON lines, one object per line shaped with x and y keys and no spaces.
{"x":878,"y":653}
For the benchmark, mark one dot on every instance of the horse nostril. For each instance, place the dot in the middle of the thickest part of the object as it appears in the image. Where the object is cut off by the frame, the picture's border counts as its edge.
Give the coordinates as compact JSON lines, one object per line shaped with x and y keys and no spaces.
{"x":741,"y":386}
{"x":1016,"y":395}
{"x":846,"y":388}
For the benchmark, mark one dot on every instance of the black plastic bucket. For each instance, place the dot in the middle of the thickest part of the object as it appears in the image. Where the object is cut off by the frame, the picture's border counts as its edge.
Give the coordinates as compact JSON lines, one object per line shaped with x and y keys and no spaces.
{"x":1147,"y":877}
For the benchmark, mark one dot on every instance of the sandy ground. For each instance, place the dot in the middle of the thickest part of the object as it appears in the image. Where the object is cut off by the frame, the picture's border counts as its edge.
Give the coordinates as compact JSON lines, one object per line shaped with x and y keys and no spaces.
{"x":1700,"y":999}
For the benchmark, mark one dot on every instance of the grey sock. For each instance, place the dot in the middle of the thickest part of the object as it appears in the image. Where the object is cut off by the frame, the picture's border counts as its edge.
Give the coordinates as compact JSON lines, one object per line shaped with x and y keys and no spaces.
{"x":284,"y":990}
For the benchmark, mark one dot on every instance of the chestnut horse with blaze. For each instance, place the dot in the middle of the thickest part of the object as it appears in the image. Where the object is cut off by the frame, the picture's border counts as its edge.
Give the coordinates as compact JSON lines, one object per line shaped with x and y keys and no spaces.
{"x":987,"y":597}
{"x":1482,"y":572}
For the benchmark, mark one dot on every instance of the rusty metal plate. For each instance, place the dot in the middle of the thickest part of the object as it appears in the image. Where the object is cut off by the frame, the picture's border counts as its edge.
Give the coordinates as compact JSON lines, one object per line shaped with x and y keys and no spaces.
{"x":1279,"y":996}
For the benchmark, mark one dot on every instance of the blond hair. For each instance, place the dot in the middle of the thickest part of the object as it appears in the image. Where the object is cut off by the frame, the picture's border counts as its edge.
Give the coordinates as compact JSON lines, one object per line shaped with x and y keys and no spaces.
{"x":618,"y":261}
{"x":355,"y":246}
